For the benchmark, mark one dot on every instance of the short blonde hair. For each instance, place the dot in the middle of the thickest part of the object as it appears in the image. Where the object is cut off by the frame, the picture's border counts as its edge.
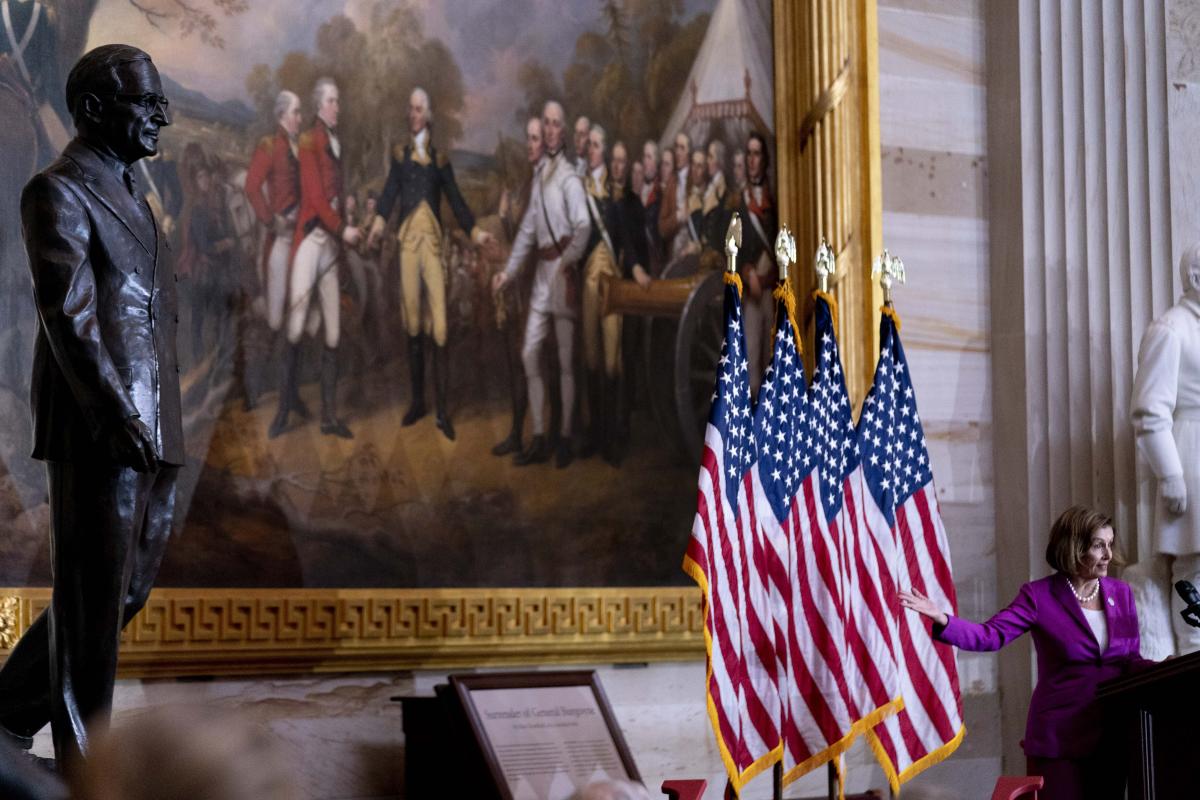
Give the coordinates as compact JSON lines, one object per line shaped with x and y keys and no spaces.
{"x":1071,"y":536}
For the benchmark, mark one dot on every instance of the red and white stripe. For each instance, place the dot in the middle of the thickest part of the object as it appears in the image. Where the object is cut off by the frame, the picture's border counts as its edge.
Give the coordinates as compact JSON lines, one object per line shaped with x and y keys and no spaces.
{"x":807,"y":605}
{"x":869,"y":598}
{"x":729,"y":560}
{"x":930,"y":727}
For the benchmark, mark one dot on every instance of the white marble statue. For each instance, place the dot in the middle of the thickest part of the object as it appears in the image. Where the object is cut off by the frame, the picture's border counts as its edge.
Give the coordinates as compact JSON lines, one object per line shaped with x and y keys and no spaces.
{"x":1166,"y":422}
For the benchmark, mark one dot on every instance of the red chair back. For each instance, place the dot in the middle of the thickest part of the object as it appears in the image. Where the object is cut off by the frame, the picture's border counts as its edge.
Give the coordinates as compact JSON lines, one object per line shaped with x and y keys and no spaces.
{"x":1017,"y":787}
{"x":684,"y":790}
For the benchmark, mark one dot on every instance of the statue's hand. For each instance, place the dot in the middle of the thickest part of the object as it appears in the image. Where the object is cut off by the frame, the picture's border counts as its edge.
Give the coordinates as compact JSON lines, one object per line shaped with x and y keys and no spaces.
{"x":1174,"y":492}
{"x":131,"y":444}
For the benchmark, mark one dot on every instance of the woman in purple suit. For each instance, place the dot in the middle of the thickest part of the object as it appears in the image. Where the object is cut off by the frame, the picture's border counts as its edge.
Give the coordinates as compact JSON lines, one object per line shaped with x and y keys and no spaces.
{"x":1085,"y":630}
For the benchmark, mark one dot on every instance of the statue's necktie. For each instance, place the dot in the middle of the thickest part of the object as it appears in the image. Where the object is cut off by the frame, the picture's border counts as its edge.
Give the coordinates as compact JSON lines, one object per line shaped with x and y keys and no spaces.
{"x":132,"y":186}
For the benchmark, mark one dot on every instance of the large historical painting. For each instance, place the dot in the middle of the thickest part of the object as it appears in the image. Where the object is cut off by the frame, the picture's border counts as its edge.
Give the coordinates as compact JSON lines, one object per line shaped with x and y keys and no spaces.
{"x":379,"y":413}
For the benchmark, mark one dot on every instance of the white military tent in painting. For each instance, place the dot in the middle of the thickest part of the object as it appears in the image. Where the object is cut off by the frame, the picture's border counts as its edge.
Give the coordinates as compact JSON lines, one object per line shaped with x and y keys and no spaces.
{"x":731,"y":82}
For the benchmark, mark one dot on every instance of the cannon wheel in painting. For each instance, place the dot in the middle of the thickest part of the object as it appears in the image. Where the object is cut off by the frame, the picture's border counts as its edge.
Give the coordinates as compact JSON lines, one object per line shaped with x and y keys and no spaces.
{"x":679,"y":355}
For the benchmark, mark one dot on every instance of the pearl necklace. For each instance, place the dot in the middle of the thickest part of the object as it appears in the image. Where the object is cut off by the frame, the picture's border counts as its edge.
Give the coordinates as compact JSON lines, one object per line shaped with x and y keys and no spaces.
{"x":1081,"y":598}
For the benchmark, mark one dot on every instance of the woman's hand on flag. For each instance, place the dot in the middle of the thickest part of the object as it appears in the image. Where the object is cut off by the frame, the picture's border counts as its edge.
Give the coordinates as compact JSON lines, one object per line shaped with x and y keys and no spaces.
{"x":923,"y":605}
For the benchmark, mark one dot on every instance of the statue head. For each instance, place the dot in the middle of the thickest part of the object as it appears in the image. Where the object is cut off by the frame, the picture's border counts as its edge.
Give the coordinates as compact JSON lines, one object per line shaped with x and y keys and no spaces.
{"x":1189,"y":269}
{"x":116,"y":98}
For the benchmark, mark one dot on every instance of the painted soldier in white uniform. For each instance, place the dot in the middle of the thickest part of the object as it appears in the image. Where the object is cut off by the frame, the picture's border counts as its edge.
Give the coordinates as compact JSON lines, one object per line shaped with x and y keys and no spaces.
{"x":1166,"y":421}
{"x":556,"y":227}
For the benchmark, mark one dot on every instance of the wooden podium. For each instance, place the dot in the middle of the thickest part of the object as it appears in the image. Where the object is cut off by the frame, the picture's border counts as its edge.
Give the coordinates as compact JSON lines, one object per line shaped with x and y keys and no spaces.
{"x":1155,"y":714}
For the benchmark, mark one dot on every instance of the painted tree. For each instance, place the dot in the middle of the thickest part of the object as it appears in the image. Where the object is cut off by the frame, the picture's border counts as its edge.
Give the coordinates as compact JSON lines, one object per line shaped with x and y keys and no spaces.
{"x":626,"y":72}
{"x":200,"y":18}
{"x":376,"y":68}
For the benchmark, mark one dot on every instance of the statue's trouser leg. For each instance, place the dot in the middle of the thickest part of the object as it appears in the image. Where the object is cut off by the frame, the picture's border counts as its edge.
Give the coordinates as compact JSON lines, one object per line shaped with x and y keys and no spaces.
{"x":109,"y":528}
{"x":1184,"y":568}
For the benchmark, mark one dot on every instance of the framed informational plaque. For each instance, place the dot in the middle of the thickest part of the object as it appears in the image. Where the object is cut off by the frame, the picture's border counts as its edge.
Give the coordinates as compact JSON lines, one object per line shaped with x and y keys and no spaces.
{"x":544,"y":735}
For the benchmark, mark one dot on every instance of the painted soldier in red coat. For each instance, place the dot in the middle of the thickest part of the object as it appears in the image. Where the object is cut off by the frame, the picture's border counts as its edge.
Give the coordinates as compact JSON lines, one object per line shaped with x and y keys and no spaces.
{"x":275,"y":167}
{"x":318,"y":238}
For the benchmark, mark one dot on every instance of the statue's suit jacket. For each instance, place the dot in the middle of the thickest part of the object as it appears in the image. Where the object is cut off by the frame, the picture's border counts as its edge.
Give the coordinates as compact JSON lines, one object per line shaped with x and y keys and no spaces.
{"x":1065,"y":721}
{"x":105,"y":349}
{"x":1166,"y":418}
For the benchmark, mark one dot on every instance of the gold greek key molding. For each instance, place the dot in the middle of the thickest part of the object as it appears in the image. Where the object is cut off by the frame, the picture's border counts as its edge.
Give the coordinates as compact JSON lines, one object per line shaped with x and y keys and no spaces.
{"x":260,"y":631}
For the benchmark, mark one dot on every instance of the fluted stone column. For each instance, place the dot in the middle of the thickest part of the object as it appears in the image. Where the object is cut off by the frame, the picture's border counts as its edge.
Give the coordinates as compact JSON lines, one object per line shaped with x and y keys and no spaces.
{"x":1081,"y":261}
{"x":827,"y":123}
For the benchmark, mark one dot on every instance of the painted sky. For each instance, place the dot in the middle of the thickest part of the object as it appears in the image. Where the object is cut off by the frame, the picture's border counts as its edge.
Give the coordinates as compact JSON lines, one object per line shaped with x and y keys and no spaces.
{"x":489,"y":38}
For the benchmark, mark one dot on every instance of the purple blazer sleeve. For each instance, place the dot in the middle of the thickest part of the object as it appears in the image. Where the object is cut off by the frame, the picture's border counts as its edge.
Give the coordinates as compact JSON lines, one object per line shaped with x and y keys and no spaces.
{"x":1007,"y":624}
{"x":1065,"y":721}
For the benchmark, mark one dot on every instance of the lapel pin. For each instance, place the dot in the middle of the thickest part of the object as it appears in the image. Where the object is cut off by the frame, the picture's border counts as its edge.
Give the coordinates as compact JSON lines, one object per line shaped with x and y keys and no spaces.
{"x":1110,"y":602}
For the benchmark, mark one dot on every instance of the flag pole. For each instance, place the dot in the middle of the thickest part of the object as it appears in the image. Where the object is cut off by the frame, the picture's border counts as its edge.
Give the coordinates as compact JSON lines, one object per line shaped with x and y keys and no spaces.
{"x":733,"y":242}
{"x":785,"y":252}
{"x":890,"y":270}
{"x":825,"y":265}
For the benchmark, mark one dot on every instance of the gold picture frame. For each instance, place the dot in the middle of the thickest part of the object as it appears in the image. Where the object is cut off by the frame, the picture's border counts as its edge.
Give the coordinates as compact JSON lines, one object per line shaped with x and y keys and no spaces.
{"x":828,"y":174}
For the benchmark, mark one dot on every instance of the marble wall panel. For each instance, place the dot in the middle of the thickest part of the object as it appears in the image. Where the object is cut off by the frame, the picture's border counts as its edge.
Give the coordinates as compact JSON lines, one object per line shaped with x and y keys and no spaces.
{"x":1183,"y":114}
{"x":932,"y":115}
{"x":930,"y":46}
{"x":935,"y":177}
{"x":970,"y":9}
{"x":945,"y":304}
{"x":934,"y":183}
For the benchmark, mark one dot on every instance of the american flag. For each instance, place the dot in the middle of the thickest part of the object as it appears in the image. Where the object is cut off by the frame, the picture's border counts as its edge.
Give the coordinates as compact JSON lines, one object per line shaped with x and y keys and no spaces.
{"x":900,"y":503}
{"x":870,"y":662}
{"x":727,"y":559}
{"x":802,"y":560}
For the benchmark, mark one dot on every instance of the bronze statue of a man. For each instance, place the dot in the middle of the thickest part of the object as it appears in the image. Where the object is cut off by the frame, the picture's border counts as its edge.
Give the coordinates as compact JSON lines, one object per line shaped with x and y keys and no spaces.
{"x":105,"y":397}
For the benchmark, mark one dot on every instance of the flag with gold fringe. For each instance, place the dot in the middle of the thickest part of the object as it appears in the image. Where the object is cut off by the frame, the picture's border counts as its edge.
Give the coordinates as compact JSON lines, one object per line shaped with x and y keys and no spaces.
{"x":900,"y":505}
{"x":727,"y":559}
{"x":817,"y":722}
{"x":858,"y":565}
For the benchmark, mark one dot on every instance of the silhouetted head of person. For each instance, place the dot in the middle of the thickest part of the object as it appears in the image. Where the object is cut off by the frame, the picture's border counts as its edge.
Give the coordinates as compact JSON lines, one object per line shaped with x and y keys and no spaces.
{"x":184,"y":754}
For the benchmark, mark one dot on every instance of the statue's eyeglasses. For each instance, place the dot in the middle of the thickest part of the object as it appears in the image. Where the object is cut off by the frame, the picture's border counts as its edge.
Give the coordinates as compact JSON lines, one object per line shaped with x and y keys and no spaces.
{"x":148,"y":101}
